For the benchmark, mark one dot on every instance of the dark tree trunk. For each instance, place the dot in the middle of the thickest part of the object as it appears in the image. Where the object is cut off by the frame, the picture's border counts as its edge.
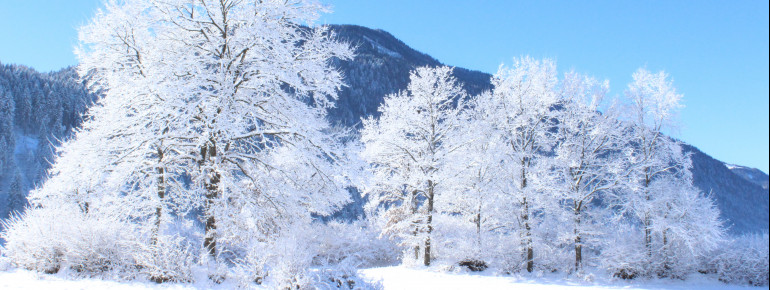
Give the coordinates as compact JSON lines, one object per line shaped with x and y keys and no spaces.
{"x":528,"y":240}
{"x":413,"y":206}
{"x":426,"y":257}
{"x":478,"y":230}
{"x":525,"y":219}
{"x":647,"y":220}
{"x":666,"y":255}
{"x":578,"y":242}
{"x":208,"y":153}
{"x":161,"y":187}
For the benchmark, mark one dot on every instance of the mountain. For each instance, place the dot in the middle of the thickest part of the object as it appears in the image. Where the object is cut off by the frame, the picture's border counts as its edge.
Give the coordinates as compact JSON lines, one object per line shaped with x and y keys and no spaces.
{"x":754,"y":175}
{"x":36,"y":111}
{"x":744,"y":204}
{"x":381,"y":67}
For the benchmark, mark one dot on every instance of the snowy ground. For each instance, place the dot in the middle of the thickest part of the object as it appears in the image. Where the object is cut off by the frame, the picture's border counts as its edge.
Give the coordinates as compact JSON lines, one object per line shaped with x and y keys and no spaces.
{"x":401,"y":277}
{"x":23,"y":279}
{"x":398,"y":277}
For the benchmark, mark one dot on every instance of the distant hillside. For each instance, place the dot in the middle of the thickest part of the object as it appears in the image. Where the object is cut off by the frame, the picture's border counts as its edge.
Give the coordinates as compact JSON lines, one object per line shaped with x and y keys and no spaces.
{"x":36,"y":111}
{"x":381,"y":67}
{"x":754,"y":175}
{"x":743,"y":203}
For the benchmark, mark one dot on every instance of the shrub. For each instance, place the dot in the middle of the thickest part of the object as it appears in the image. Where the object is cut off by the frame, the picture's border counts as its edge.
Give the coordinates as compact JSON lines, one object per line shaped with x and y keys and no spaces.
{"x":624,"y":256}
{"x":743,"y":260}
{"x":64,"y":237}
{"x":474,"y":265}
{"x":354,"y":243}
{"x":170,"y":259}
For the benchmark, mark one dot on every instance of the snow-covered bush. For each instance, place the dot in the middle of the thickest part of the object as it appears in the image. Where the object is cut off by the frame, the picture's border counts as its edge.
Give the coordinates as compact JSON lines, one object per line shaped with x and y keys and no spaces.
{"x":505,"y":252}
{"x":341,"y":276}
{"x":741,"y":260}
{"x":455,"y":240}
{"x":326,"y":256}
{"x":624,"y":256}
{"x":251,"y":267}
{"x":356,"y":243}
{"x":64,"y":237}
{"x":172,"y":258}
{"x":555,"y":238}
{"x":315,"y":256}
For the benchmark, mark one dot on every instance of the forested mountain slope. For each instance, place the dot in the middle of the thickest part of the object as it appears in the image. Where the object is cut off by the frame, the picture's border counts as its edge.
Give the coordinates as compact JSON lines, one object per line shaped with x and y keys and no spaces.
{"x":38,"y":109}
{"x":751,"y":174}
{"x":743,"y":203}
{"x":381,"y":67}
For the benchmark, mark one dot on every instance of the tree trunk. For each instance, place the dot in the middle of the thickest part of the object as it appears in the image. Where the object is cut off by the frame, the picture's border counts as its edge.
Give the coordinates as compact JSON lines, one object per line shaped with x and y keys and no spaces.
{"x":666,"y":256}
{"x":416,"y":224}
{"x":209,"y":153}
{"x":429,"y":220}
{"x":478,"y":231}
{"x":82,"y":205}
{"x":528,"y":238}
{"x":647,"y":235}
{"x":525,"y":219}
{"x":578,"y":242}
{"x":647,"y":220}
{"x":161,"y":187}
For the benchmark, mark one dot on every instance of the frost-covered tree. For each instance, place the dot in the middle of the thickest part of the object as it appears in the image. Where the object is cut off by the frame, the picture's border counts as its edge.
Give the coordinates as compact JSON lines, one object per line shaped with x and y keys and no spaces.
{"x":477,"y":191}
{"x":410,"y":148}
{"x":225,"y":86}
{"x":653,"y":108}
{"x":211,"y":107}
{"x":522,"y":113}
{"x":587,"y":162}
{"x":686,"y":222}
{"x":124,"y":148}
{"x":678,"y":222}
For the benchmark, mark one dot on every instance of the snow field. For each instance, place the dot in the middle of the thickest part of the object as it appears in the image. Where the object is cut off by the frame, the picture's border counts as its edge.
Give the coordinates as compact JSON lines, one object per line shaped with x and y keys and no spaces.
{"x":396,"y":277}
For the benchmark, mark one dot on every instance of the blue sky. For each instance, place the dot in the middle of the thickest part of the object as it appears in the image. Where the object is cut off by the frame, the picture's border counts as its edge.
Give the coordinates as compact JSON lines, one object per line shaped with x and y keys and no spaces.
{"x":716,"y":51}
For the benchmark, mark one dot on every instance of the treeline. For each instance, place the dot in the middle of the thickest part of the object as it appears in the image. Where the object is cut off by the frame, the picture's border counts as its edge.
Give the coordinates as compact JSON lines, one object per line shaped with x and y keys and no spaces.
{"x":210,"y":153}
{"x":543,"y":173}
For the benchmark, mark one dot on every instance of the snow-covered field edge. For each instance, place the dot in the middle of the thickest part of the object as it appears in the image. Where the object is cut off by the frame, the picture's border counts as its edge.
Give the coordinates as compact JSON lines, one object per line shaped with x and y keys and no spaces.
{"x":395,"y":277}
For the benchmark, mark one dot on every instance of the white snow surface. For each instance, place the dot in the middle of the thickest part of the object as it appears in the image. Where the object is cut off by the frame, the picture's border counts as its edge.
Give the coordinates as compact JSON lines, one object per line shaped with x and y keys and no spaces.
{"x":382,"y":49}
{"x":24,"y":279}
{"x":396,"y":277}
{"x":403,"y":277}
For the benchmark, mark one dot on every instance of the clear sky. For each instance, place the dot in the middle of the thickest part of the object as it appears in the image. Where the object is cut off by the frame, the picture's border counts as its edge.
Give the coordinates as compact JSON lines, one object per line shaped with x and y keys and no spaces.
{"x":716,"y":51}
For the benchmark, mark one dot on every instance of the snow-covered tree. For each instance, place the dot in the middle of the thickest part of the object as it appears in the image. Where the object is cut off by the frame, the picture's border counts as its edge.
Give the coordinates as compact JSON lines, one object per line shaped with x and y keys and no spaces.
{"x":587,"y":162}
{"x":124,"y":148}
{"x":410,"y":147}
{"x":216,"y":106}
{"x":476,"y":192}
{"x":686,"y":222}
{"x":677,"y":220}
{"x":653,"y":108}
{"x":225,"y":85}
{"x":522,"y":112}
